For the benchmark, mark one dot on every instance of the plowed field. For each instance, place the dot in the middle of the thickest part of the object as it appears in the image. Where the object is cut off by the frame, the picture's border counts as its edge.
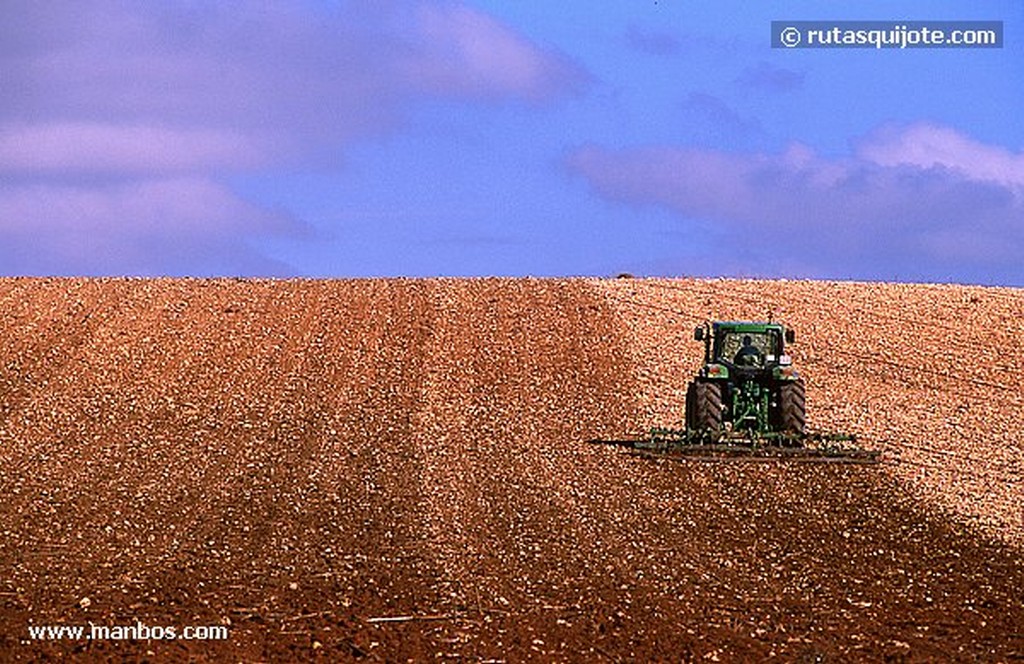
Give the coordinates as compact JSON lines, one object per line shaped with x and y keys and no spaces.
{"x":384,"y":470}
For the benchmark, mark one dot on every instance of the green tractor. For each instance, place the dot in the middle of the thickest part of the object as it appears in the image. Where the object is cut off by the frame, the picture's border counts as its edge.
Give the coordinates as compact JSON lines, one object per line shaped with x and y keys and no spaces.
{"x":747,"y":401}
{"x":747,"y":386}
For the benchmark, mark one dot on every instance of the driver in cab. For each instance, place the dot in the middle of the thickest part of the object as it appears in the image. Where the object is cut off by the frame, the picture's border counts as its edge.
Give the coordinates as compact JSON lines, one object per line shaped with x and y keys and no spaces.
{"x":748,"y":355}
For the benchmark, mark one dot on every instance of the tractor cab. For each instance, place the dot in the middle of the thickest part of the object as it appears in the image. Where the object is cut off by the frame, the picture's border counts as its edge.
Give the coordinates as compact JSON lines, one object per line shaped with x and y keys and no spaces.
{"x":744,"y":345}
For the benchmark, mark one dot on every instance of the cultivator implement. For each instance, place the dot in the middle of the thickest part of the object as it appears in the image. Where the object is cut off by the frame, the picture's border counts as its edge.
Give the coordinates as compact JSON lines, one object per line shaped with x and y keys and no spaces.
{"x":812,"y":447}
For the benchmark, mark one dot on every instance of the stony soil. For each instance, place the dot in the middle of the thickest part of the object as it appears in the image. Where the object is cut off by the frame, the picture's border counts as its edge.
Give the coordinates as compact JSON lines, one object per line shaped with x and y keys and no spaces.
{"x":298,"y":460}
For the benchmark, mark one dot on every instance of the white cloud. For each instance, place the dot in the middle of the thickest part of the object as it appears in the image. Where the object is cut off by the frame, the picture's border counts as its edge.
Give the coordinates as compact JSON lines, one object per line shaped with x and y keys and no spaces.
{"x":927,"y":145}
{"x":926,"y":201}
{"x":120,"y":121}
{"x":87,"y":147}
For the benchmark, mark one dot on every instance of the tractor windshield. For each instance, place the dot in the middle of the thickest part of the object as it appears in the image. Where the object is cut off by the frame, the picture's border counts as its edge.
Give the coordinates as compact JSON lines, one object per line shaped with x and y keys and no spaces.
{"x":749,"y":348}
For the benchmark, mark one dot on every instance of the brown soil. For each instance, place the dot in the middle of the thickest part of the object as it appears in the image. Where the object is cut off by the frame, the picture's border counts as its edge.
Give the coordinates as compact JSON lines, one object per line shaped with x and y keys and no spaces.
{"x":297,"y":459}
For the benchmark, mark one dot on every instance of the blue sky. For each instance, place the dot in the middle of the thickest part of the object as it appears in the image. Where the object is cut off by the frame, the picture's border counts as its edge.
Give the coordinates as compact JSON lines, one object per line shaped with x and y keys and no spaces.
{"x":346,"y":139}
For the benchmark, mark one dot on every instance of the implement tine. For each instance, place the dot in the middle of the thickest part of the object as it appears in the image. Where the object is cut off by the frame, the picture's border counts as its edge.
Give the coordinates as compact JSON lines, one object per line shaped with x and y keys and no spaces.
{"x":726,"y":446}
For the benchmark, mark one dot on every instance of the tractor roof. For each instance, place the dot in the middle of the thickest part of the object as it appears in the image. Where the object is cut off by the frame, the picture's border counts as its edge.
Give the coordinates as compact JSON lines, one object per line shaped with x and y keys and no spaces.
{"x":746,"y":325}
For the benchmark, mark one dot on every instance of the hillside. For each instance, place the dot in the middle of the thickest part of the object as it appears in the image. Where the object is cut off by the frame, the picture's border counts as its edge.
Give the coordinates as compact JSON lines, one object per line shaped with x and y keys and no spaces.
{"x":296,"y":460}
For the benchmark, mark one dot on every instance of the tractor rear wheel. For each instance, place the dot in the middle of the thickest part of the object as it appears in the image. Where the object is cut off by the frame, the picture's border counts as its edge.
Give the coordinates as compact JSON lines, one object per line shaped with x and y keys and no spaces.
{"x":704,"y":406}
{"x":792,"y":407}
{"x":691,"y":398}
